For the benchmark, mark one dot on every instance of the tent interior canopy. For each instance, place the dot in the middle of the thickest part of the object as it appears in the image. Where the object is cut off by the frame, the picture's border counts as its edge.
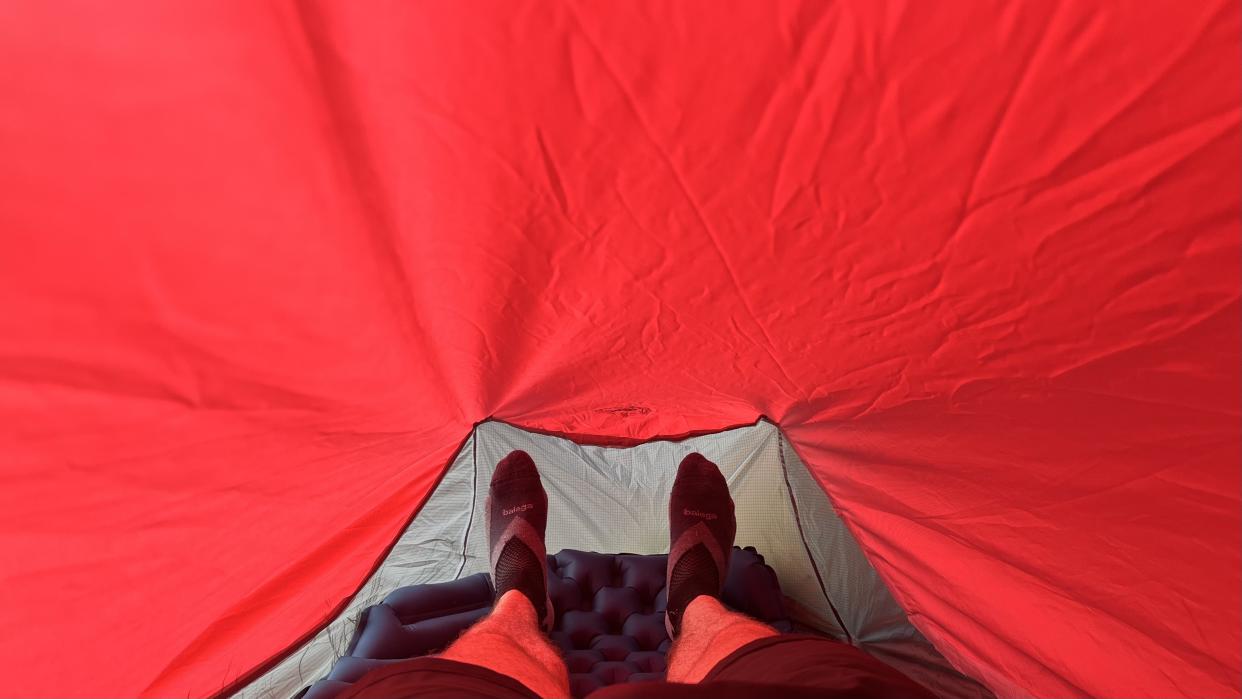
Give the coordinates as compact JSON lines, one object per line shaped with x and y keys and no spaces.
{"x":265,"y":266}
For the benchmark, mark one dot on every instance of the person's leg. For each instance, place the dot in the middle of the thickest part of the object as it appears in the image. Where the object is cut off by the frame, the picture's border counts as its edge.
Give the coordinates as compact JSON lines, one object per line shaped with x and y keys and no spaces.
{"x":511,"y":639}
{"x":510,"y":642}
{"x":701,"y":530}
{"x":726,"y":653}
{"x":701,"y":526}
{"x":709,"y":633}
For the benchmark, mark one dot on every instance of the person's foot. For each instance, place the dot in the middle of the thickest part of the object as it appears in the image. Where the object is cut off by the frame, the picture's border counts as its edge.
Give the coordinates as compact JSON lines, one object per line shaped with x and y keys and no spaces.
{"x":701,"y":528}
{"x":517,"y":515}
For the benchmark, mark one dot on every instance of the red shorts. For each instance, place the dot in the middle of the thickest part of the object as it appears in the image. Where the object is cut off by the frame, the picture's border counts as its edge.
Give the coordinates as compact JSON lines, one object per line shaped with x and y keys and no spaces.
{"x":791,"y":665}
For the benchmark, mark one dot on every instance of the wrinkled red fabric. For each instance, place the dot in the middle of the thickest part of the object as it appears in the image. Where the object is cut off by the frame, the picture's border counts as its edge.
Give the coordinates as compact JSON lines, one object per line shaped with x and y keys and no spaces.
{"x":265,"y":264}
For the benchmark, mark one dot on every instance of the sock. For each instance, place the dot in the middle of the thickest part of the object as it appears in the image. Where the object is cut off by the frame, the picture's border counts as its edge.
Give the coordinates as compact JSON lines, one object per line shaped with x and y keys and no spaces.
{"x":701,"y":529}
{"x":517,"y":515}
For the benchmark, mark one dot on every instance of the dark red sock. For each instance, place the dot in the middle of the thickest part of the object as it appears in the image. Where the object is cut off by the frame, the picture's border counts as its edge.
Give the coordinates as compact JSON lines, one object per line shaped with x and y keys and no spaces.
{"x":517,"y":515}
{"x":701,"y":529}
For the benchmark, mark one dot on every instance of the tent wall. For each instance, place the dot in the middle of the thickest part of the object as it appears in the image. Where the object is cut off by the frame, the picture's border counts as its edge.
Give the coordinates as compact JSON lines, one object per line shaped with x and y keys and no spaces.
{"x":263,"y":264}
{"x":429,"y":550}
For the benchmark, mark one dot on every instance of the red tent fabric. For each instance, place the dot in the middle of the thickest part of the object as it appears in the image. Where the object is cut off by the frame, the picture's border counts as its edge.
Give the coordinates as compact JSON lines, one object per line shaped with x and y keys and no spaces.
{"x":264,"y":265}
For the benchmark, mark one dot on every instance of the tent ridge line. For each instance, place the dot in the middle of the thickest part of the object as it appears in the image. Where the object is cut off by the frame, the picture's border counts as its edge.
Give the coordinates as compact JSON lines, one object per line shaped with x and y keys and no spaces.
{"x":617,"y":442}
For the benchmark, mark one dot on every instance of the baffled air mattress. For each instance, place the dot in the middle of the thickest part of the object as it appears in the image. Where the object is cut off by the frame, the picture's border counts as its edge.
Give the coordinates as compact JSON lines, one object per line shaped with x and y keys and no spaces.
{"x":609,"y":618}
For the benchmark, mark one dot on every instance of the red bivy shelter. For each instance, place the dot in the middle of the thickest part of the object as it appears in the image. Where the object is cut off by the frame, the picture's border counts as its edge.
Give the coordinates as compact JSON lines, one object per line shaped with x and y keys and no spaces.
{"x":265,"y":267}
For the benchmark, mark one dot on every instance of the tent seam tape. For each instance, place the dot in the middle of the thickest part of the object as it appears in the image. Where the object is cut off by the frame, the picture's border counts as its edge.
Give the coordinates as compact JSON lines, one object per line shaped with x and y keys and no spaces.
{"x":474,"y":498}
{"x":780,"y":448}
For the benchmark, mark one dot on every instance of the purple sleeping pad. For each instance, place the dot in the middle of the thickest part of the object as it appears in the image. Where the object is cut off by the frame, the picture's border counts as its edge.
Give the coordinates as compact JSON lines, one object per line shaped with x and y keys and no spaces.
{"x":609,"y":617}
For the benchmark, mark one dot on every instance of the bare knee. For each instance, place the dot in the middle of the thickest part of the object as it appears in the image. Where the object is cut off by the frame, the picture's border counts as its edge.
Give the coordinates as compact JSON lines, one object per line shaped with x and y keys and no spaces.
{"x":509,"y":642}
{"x":709,"y":633}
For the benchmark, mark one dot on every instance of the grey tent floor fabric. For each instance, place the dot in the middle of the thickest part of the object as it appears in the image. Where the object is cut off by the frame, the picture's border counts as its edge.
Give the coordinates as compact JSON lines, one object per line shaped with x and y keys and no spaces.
{"x":615,"y":500}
